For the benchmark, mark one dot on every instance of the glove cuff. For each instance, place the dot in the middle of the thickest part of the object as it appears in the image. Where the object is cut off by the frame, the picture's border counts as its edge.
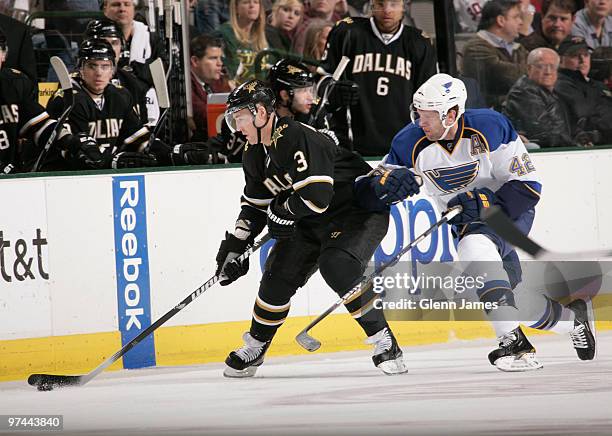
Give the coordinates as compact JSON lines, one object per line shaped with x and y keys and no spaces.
{"x":283,"y":221}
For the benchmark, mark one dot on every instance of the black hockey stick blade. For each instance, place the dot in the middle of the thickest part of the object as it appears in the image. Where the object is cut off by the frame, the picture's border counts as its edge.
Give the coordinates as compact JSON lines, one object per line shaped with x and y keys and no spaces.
{"x":47,"y":382}
{"x":312,"y":344}
{"x":66,"y":85}
{"x":504,"y":227}
{"x":496,"y":219}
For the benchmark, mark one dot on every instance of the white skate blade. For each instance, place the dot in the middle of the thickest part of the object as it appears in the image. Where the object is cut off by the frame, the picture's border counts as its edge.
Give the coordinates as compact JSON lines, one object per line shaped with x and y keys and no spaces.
{"x":393,"y":367}
{"x":240,"y":373}
{"x":527,"y":362}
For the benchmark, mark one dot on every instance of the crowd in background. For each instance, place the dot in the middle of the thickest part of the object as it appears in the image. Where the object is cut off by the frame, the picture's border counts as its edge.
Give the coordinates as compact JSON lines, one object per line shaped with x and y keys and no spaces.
{"x":546,"y":64}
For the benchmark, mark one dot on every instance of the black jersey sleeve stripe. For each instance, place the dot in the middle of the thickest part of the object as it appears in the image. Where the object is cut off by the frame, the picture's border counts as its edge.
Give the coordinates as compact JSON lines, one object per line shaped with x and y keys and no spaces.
{"x":31,"y":124}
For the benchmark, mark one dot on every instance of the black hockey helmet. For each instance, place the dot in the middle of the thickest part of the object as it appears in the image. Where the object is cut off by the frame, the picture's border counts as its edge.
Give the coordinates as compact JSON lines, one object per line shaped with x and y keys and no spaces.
{"x":247,"y":96}
{"x":95,"y":48}
{"x":289,"y":74}
{"x":104,"y":28}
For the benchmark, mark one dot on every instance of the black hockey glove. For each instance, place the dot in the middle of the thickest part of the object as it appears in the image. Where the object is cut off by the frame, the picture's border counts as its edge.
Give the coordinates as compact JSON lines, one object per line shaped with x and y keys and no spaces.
{"x":472,"y":202}
{"x":281,"y":222}
{"x":133,"y":159}
{"x":231,"y":247}
{"x":395,"y":185}
{"x":161,"y":151}
{"x":86,"y":151}
{"x":191,"y":153}
{"x":343,"y":93}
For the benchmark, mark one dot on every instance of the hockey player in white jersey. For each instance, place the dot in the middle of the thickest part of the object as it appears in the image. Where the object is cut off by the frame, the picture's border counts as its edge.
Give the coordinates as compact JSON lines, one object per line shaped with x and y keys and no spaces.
{"x":475,"y":159}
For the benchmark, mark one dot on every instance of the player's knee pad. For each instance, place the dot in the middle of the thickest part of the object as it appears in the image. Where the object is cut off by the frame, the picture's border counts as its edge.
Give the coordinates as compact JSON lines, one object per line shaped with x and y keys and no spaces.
{"x":340,"y":269}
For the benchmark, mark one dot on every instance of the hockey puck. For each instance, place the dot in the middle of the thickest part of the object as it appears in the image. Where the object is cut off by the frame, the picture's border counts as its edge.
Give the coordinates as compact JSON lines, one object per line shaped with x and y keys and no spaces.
{"x":44,"y":387}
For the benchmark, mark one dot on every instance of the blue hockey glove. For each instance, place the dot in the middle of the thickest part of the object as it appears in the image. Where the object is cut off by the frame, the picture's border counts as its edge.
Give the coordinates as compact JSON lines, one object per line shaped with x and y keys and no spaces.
{"x":395,"y":185}
{"x":281,"y":222}
{"x":472,"y":202}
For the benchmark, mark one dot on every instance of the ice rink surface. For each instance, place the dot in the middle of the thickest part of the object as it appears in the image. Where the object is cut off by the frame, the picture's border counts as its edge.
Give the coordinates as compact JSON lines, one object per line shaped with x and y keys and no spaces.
{"x":450,"y":389}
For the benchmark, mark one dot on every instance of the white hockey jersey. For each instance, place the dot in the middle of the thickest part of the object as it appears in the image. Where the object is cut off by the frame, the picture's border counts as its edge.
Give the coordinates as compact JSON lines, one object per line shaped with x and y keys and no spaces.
{"x":468,"y":13}
{"x":486,"y":153}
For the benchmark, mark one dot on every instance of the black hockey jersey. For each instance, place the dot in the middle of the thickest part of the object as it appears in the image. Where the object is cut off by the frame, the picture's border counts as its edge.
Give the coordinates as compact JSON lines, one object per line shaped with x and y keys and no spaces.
{"x":116,"y":126}
{"x":305,"y":166}
{"x":138,"y":89}
{"x":388,"y":72}
{"x":20,"y":117}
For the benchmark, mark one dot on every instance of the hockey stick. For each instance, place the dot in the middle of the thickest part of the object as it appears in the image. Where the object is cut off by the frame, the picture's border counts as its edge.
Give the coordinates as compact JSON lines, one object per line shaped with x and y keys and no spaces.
{"x":66,"y":84}
{"x":504,"y":227}
{"x":46,"y":382}
{"x":311,"y":344}
{"x":335,"y":77}
{"x":161,"y":89}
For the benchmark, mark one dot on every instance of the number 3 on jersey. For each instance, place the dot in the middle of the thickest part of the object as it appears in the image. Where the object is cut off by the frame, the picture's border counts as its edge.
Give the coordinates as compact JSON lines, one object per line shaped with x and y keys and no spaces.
{"x":521,"y":166}
{"x":301,"y":161}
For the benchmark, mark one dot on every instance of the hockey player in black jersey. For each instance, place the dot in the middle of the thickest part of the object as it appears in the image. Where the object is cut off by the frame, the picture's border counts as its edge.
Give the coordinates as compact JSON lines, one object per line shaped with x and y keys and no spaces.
{"x":124,"y":74}
{"x":299,"y":184}
{"x":388,"y":62}
{"x":21,"y":117}
{"x":103,"y":112}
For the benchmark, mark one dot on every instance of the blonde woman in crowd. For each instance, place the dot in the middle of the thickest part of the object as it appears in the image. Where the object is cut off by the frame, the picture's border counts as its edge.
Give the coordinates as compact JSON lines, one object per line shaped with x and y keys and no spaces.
{"x":284,"y":19}
{"x":244,"y":36}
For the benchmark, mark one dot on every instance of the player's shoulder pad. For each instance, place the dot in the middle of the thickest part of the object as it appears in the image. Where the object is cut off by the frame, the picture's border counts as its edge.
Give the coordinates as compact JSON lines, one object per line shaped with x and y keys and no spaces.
{"x":405,"y":145}
{"x":495,"y":127}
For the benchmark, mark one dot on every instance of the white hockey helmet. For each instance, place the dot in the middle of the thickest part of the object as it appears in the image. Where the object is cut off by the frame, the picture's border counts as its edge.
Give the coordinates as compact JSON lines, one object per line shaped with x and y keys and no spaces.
{"x":440,"y":93}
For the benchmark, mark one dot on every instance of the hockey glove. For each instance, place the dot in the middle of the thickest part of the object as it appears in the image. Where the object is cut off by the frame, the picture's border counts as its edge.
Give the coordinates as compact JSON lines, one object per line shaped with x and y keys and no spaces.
{"x":133,"y":159}
{"x":395,"y":185}
{"x":191,"y":153}
{"x":161,"y":151}
{"x":86,"y":151}
{"x":231,"y":247}
{"x":343,"y":93}
{"x":281,"y":222}
{"x":472,"y":202}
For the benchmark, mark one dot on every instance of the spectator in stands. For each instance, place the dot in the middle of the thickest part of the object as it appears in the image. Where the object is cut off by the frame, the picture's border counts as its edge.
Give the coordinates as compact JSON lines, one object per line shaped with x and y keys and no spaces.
{"x":206,"y":77}
{"x":468,"y":14}
{"x":316,"y":38}
{"x":141,"y":47}
{"x":20,"y":54}
{"x":601,"y":66}
{"x":323,"y":9}
{"x":492,"y":57}
{"x":284,"y":19}
{"x":533,"y":106}
{"x":594,"y":23}
{"x":555,"y":26}
{"x":589,"y":102}
{"x":210,"y":14}
{"x":244,"y":37}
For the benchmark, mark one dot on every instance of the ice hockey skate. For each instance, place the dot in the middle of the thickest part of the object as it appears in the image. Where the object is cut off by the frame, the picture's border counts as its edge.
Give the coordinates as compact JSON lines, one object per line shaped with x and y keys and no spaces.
{"x":244,"y":361}
{"x":387,"y":354}
{"x":582,"y":335}
{"x":515,"y":353}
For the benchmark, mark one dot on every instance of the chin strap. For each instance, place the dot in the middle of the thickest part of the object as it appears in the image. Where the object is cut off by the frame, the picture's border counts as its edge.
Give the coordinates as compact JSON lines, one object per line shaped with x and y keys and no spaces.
{"x":259,"y":128}
{"x":447,"y":128}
